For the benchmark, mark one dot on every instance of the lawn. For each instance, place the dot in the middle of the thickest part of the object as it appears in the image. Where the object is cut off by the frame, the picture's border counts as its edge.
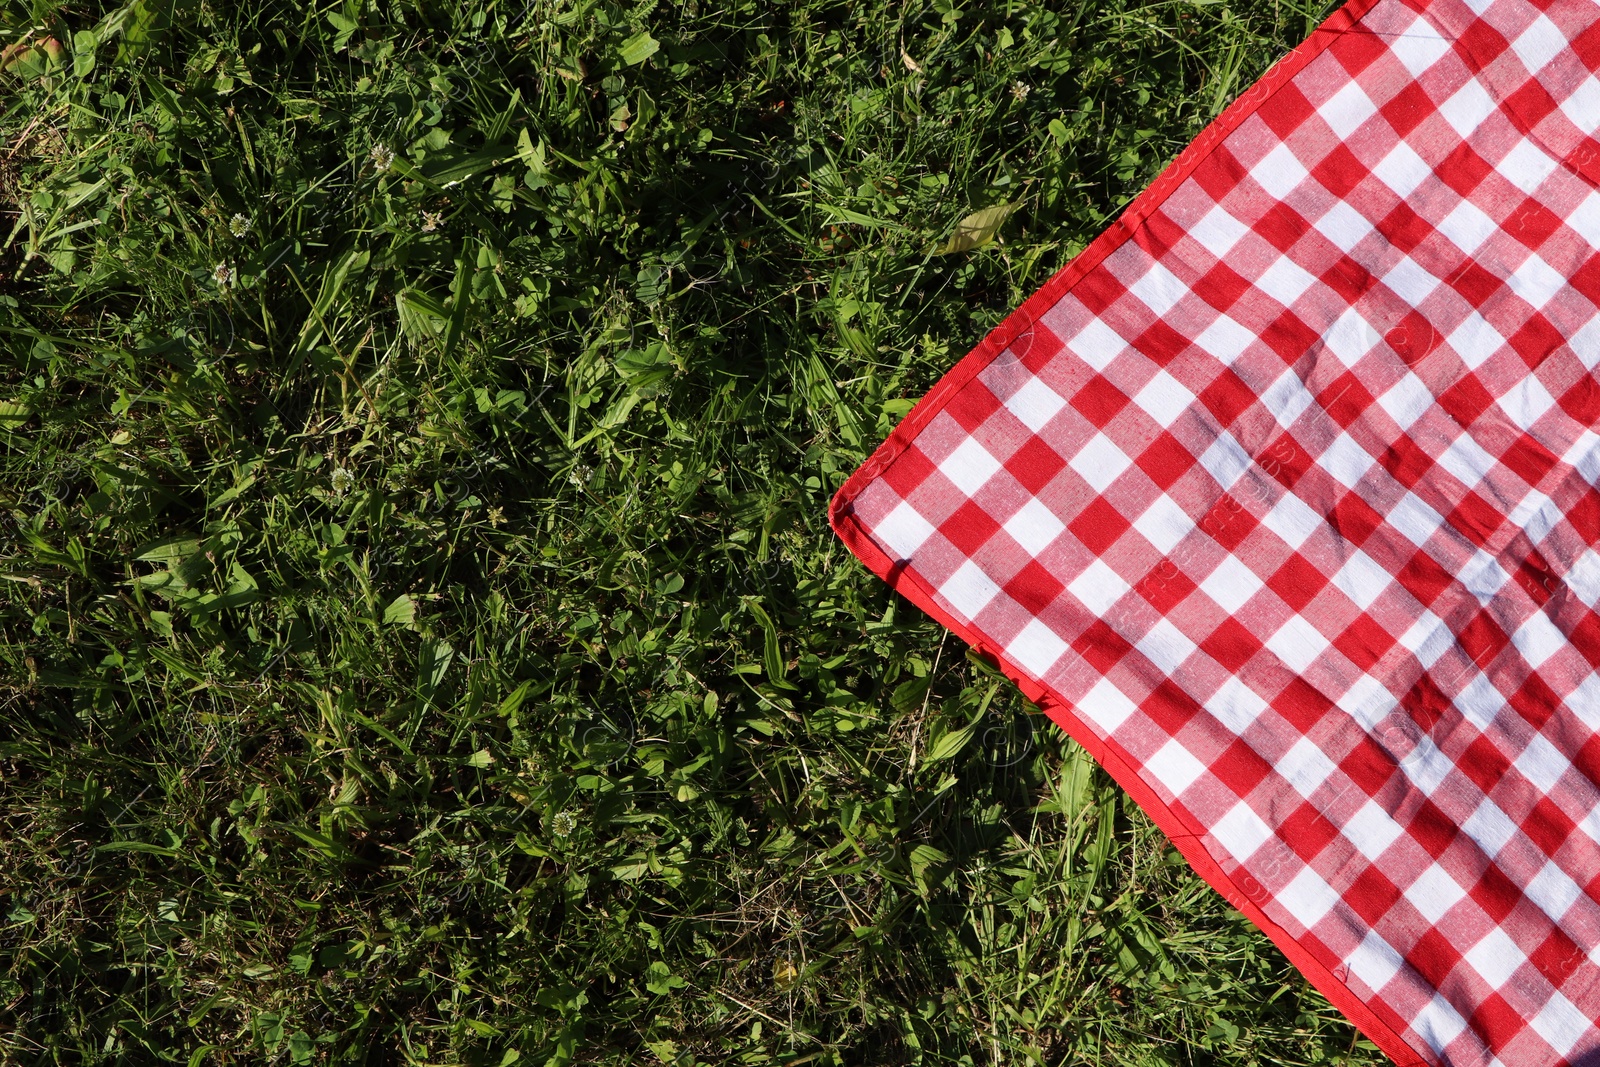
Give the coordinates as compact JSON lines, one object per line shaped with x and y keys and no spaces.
{"x":421,"y":639}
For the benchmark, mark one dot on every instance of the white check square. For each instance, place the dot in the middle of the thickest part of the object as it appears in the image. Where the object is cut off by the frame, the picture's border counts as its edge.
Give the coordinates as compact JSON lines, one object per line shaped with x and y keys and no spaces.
{"x":1536,"y":281}
{"x":903,"y":530}
{"x":1475,"y":340}
{"x":1292,"y":520}
{"x":1097,"y":344}
{"x":1164,"y":398}
{"x":1035,"y":404}
{"x":1538,"y":639}
{"x":1225,"y":460}
{"x":1217,"y":231}
{"x":1241,"y":831}
{"x":1285,"y":281}
{"x":1225,"y":339}
{"x":1402,"y":170}
{"x":1553,"y":891}
{"x":1372,"y":830}
{"x":1346,"y":461}
{"x":1526,"y":166}
{"x":1231,"y":584}
{"x":1583,"y":577}
{"x":1037,"y":649}
{"x":1541,"y":42}
{"x":1419,"y":47}
{"x":1100,"y":462}
{"x":1308,"y":898}
{"x":1343,"y":226}
{"x":1367,"y":701}
{"x":1235,"y":705}
{"x":1489,"y":827}
{"x":1428,"y":638}
{"x":1159,"y":288}
{"x":1407,"y":400}
{"x":1414,"y":518}
{"x":969,"y":590}
{"x":1561,"y":1024}
{"x":1542,"y":763}
{"x":1496,"y":958}
{"x":1479,"y":702}
{"x":1438,"y":1023}
{"x":1482,"y":574}
{"x":1347,"y":109}
{"x":1098,"y":587}
{"x":1434,"y":893}
{"x":1374,"y":961}
{"x":1585,"y":219}
{"x":1279,"y":172}
{"x":969,"y":466}
{"x":1584,"y":701}
{"x":1361,"y":579}
{"x":1166,"y":646}
{"x":1527,"y":402}
{"x":1467,"y":460}
{"x":1297,"y":643}
{"x":1174,"y":767}
{"x":1466,"y":110}
{"x":1305,"y":766}
{"x":1467,"y":226}
{"x":1410,"y":282}
{"x":1583,"y":105}
{"x":1107,"y":705}
{"x":1287,"y":398}
{"x":1034,"y":527}
{"x":1350,"y":337}
{"x":1164,"y":524}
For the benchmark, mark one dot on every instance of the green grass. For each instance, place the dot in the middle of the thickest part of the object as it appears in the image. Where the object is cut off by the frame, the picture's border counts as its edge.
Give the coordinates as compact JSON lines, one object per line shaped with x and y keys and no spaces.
{"x":421,"y":640}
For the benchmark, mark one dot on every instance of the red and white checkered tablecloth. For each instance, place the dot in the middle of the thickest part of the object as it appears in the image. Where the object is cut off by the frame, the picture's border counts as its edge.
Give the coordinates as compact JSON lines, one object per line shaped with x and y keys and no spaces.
{"x":1281,"y":499}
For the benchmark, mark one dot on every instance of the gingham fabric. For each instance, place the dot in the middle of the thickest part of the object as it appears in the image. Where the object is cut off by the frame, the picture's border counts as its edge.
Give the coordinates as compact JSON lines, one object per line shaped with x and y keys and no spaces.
{"x":1281,"y":498}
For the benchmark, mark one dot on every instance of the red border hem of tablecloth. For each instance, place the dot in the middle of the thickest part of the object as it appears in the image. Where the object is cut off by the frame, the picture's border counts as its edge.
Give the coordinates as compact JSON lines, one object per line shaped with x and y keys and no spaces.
{"x":1108,"y":754}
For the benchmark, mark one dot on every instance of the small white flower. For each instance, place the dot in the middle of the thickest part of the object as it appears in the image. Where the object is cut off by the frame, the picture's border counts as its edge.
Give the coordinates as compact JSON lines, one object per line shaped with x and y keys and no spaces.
{"x":222,"y":274}
{"x":1020,"y":91}
{"x":239,"y":225}
{"x":563,"y":824}
{"x":581,"y":474}
{"x":382,"y":157}
{"x":431,"y":220}
{"x":341,"y":480}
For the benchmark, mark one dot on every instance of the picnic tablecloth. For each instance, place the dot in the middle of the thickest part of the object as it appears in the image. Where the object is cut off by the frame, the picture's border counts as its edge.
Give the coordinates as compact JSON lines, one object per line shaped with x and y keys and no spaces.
{"x":1281,"y":499}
